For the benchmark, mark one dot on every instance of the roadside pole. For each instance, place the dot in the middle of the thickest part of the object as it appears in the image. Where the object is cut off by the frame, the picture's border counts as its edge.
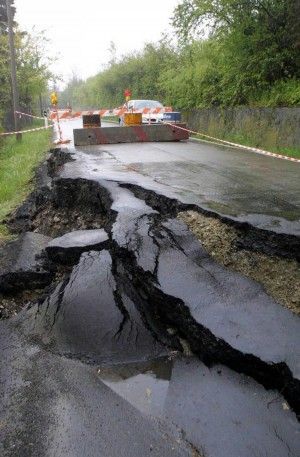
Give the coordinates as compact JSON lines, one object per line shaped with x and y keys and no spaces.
{"x":12,"y":50}
{"x":45,"y":114}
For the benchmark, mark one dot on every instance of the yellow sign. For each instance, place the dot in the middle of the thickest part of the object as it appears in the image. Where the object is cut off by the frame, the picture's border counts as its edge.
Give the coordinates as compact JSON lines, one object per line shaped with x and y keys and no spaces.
{"x":132,"y":118}
{"x":53,"y":98}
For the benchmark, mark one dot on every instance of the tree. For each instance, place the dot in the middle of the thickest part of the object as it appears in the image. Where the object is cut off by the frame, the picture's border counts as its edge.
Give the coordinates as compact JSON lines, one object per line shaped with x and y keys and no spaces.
{"x":112,"y":53}
{"x":258,"y":41}
{"x":32,"y":66}
{"x":68,"y":96}
{"x":139,"y":71}
{"x":249,"y":56}
{"x":3,"y":15}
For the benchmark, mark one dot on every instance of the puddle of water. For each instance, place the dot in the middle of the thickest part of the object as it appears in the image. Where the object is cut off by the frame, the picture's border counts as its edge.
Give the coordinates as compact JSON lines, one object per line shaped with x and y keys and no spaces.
{"x":144,"y":385}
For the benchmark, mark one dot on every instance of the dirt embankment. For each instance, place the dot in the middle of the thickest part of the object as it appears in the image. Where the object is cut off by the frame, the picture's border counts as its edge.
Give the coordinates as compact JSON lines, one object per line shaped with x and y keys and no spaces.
{"x":280,"y":277}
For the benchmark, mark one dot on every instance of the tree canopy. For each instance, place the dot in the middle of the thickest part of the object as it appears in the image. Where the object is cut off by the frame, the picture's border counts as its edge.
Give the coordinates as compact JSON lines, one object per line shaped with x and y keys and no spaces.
{"x":32,"y":66}
{"x":229,"y":52}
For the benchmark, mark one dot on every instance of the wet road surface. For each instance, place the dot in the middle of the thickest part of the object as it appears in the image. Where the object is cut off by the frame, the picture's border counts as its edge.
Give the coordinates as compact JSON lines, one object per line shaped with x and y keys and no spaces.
{"x":246,"y":186}
{"x":102,"y":363}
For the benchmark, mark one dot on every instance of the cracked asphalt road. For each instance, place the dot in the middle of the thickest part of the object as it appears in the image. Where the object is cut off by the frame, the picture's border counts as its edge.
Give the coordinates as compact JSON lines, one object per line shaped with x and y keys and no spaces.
{"x":77,"y":369}
{"x":246,"y":186}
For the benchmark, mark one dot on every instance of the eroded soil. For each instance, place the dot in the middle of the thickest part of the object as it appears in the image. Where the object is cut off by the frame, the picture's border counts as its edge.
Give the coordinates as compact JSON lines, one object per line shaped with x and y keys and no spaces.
{"x":280,"y":277}
{"x":55,"y":222}
{"x":12,"y":304}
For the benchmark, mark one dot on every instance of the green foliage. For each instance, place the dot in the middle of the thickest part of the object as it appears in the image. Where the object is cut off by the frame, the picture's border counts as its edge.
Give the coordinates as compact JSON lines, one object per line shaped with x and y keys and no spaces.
{"x":3,"y":14}
{"x":33,"y":71}
{"x":251,"y":56}
{"x":193,"y":81}
{"x":138,"y":71}
{"x":257,"y":43}
{"x":5,"y":93}
{"x":17,"y":162}
{"x":32,"y":66}
{"x":281,"y":93}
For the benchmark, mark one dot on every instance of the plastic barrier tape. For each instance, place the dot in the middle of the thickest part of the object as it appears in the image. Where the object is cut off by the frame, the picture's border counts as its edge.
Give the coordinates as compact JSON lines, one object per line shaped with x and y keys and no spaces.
{"x":26,"y":131}
{"x":241,"y":146}
{"x":67,"y":114}
{"x":29,"y":115}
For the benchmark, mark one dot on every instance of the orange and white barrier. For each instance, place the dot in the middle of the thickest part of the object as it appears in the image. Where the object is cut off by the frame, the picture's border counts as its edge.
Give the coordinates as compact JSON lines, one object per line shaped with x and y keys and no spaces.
{"x":26,"y":131}
{"x":54,"y":124}
{"x":68,"y":114}
{"x":36,"y":129}
{"x":29,"y":115}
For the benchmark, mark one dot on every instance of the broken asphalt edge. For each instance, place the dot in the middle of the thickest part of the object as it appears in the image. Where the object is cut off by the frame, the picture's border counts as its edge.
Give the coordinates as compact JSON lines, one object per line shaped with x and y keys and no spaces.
{"x":67,"y":192}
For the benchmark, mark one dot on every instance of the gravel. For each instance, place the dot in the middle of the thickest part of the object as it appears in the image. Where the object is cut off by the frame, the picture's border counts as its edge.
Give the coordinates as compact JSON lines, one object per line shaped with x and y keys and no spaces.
{"x":280,"y":277}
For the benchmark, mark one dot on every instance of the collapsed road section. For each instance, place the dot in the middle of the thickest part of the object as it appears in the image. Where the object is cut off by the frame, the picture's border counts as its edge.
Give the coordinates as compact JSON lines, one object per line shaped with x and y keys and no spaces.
{"x":119,"y":281}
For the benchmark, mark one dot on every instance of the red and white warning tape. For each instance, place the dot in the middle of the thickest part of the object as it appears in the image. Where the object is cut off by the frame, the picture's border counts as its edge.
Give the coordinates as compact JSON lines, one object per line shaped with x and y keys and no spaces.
{"x":68,"y":114}
{"x":241,"y":146}
{"x":27,"y":131}
{"x":29,"y":115}
{"x":59,"y":115}
{"x":45,"y":127}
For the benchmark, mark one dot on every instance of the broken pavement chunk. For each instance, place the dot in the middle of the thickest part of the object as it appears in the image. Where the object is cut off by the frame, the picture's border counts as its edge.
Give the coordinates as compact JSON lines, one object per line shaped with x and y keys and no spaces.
{"x":21,"y":265}
{"x":225,"y":317}
{"x":89,"y":318}
{"x":68,"y":248}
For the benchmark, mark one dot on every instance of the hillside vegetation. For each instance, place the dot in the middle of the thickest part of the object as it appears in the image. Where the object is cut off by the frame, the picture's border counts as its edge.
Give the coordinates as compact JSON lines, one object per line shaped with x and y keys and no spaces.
{"x":32,"y":64}
{"x":18,"y":159}
{"x":250,"y":56}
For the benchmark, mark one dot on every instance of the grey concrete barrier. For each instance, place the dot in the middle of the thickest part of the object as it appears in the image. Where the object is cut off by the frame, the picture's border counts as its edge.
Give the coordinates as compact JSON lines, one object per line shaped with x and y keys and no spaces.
{"x":129,"y":134}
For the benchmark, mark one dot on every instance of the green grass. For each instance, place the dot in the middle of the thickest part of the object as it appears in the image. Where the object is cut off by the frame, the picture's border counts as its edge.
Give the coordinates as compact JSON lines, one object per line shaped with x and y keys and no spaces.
{"x":290,"y":152}
{"x":246,"y":141}
{"x":241,"y":139}
{"x":17,"y":163}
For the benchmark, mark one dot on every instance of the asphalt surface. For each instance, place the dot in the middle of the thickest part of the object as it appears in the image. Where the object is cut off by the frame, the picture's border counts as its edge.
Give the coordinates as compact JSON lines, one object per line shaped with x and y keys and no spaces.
{"x":52,"y":406}
{"x":93,"y":368}
{"x":56,"y":407}
{"x":246,"y":186}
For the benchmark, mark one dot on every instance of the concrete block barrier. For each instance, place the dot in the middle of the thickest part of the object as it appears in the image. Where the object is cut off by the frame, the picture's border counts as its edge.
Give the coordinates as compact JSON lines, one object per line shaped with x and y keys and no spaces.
{"x":129,"y":134}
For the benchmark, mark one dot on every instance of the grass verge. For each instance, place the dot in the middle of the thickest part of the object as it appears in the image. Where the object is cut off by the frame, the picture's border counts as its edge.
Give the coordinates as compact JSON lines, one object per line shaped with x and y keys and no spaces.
{"x":241,"y":139}
{"x":17,"y":163}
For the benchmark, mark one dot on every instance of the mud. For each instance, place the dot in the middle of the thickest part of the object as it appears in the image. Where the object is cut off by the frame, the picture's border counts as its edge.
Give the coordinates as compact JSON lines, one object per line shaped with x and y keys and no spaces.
{"x":21,"y":220}
{"x":11,"y":305}
{"x":280,"y":277}
{"x":54,"y":221}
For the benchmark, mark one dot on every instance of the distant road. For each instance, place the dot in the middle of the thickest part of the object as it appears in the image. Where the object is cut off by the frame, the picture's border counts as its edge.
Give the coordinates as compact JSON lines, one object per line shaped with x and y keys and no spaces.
{"x":247,"y":186}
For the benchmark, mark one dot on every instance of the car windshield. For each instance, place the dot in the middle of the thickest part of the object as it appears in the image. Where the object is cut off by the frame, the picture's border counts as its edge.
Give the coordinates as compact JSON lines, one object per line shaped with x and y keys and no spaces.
{"x":141,"y":104}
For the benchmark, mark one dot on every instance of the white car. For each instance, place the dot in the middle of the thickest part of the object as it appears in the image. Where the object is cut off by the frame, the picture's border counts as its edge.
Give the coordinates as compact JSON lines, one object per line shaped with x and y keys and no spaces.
{"x":140,"y":106}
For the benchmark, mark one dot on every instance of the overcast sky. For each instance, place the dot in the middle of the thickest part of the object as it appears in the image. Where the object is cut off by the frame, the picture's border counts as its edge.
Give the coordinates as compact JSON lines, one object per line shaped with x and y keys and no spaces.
{"x":81,"y":31}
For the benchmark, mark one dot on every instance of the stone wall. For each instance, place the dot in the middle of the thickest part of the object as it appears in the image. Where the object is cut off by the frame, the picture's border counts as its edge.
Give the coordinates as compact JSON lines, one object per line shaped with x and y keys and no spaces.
{"x":260,"y":127}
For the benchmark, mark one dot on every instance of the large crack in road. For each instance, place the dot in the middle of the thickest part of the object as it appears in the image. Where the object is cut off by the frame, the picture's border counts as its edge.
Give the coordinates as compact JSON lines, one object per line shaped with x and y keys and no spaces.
{"x":125,"y":282}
